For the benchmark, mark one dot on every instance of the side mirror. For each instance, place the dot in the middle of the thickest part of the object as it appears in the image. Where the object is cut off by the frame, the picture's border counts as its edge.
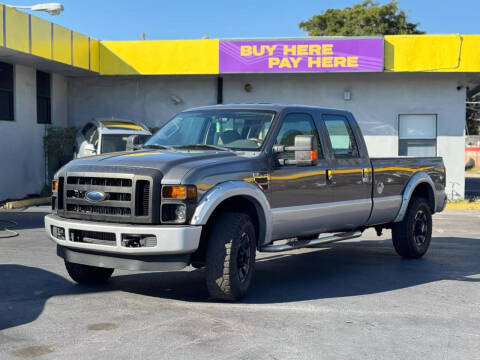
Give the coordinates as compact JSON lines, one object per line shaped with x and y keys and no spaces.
{"x":90,"y":148}
{"x":306,"y":151}
{"x":134,"y":142}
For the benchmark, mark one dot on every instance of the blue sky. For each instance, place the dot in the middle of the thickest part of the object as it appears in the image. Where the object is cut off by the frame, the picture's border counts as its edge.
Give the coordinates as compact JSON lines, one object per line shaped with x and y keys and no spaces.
{"x":192,"y":19}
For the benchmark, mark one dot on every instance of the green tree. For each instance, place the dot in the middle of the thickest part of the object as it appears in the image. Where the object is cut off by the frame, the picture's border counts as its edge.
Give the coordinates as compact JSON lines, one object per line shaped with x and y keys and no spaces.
{"x":363,"y":19}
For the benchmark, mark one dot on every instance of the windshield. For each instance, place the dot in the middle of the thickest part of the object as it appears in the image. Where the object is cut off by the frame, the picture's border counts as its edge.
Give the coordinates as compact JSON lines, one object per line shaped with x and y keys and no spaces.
{"x":231,"y":129}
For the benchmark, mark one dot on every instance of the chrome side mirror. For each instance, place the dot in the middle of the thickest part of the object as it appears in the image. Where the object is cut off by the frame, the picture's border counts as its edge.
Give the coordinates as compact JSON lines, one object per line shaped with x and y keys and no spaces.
{"x":306,"y":151}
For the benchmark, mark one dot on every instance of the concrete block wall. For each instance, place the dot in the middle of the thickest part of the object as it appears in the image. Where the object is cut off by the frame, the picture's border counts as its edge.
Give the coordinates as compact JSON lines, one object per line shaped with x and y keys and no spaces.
{"x":22,"y":162}
{"x":376,"y":101}
{"x":149,"y":99}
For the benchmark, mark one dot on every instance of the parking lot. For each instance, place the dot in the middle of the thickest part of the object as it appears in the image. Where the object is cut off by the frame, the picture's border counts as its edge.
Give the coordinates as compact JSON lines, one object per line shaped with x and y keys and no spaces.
{"x":350,"y":300}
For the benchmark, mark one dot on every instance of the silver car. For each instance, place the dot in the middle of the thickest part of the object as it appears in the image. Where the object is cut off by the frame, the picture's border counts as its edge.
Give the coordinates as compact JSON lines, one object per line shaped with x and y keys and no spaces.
{"x":105,"y":135}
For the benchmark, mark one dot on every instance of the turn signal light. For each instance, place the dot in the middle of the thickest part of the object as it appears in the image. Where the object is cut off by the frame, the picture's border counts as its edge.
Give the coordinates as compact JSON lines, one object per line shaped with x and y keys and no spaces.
{"x":179,"y":192}
{"x":313,"y":155}
{"x":54,"y":185}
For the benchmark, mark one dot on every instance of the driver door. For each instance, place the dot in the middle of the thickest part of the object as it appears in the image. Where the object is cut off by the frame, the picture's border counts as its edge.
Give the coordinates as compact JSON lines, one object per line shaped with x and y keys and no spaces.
{"x":299,"y":192}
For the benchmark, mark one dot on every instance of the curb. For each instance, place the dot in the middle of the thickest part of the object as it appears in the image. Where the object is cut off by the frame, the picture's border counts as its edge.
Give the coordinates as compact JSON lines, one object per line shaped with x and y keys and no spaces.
{"x":467,"y":206}
{"x":26,"y":203}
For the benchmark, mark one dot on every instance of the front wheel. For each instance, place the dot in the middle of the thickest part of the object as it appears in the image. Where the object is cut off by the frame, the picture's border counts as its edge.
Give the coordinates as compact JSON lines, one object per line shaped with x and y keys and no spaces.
{"x":411,"y":237}
{"x":230,"y":259}
{"x":85,"y":274}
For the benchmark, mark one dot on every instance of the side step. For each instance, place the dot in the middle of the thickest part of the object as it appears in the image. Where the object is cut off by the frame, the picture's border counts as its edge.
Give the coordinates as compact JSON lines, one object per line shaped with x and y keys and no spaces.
{"x":309,"y":243}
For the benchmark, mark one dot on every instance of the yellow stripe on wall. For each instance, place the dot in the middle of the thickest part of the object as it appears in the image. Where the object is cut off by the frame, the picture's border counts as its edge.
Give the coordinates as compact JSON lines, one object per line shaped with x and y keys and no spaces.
{"x":1,"y":25}
{"x":94,"y":55}
{"x":41,"y":37}
{"x":17,"y":34}
{"x":80,"y":50}
{"x":161,"y":57}
{"x":62,"y":44}
{"x":439,"y":53}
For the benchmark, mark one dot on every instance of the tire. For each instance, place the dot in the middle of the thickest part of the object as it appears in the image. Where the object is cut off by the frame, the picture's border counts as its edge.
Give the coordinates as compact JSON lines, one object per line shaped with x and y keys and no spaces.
{"x":85,"y":274}
{"x":411,"y":237}
{"x":230,"y":260}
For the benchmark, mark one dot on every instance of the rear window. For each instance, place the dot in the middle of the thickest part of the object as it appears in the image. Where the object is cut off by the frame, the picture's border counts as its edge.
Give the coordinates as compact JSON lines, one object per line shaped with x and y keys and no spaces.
{"x":114,"y":143}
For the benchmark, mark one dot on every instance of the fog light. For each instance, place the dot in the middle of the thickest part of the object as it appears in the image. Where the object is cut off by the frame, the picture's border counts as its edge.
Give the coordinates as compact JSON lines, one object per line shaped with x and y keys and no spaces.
{"x":135,"y":241}
{"x":58,"y":232}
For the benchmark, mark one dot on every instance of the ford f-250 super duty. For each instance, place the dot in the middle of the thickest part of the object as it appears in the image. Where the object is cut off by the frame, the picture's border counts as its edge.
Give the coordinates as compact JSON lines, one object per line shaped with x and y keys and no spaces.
{"x":217,"y":183}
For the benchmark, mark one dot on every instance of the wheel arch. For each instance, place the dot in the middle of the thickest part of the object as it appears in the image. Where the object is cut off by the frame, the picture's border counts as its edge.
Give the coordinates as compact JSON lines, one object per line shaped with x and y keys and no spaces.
{"x":419,"y":185}
{"x":239,"y":196}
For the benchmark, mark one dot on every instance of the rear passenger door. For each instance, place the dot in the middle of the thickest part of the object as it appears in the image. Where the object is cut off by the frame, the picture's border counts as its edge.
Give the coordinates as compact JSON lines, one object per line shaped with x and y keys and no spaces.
{"x":350,"y":175}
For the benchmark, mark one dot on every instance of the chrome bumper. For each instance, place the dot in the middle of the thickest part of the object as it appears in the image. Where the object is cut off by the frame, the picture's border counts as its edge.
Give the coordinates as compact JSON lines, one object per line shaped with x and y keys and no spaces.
{"x":171,"y":240}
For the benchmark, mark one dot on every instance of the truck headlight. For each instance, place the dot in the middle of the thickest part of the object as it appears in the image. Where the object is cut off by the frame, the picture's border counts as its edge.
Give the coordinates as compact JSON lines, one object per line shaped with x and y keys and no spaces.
{"x":174,"y":213}
{"x":178,"y":203}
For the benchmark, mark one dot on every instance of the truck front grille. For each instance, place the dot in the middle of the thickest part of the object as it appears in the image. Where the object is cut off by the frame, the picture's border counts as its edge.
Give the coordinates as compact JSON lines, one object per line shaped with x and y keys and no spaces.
{"x":125,"y":200}
{"x":99,"y":210}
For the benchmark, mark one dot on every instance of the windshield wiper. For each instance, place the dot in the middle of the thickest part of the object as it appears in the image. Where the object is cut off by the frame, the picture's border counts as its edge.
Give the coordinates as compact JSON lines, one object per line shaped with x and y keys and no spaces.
{"x":208,"y":146}
{"x":157,"y":146}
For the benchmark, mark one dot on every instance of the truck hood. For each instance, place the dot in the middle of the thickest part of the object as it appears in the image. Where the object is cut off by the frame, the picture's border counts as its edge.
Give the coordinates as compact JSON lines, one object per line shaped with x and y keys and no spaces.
{"x":172,"y":164}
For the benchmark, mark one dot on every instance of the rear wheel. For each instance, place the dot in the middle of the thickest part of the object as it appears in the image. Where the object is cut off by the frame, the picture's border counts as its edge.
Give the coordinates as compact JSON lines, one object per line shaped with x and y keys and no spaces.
{"x":411,"y":237}
{"x":230,"y":259}
{"x":85,"y":274}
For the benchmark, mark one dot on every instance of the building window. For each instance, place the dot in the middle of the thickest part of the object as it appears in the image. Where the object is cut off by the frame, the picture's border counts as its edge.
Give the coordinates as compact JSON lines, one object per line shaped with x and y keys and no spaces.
{"x":44,"y":113}
{"x":417,"y":135}
{"x":6,"y":91}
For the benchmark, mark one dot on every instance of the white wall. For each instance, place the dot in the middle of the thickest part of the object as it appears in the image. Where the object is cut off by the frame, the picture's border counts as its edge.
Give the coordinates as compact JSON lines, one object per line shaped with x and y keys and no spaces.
{"x":377,"y":100}
{"x":147,"y":99}
{"x":22,"y":163}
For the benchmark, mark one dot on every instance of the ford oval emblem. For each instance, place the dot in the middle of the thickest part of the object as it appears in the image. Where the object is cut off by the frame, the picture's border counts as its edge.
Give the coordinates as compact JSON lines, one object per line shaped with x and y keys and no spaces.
{"x":95,"y":196}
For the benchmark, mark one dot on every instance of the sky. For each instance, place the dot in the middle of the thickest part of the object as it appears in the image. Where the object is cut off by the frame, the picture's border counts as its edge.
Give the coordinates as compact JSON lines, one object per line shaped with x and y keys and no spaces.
{"x":193,"y":19}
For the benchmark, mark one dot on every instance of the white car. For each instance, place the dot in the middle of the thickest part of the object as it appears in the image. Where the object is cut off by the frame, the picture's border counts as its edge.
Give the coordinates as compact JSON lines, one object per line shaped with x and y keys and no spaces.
{"x":105,"y":135}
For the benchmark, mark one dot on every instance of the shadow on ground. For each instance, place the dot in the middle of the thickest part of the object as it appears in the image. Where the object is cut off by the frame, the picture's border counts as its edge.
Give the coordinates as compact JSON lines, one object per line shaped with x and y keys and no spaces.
{"x":348,"y":269}
{"x":26,"y":220}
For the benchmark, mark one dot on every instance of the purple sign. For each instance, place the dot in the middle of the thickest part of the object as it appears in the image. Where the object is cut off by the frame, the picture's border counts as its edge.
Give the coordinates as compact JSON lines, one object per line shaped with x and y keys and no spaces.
{"x":336,"y":55}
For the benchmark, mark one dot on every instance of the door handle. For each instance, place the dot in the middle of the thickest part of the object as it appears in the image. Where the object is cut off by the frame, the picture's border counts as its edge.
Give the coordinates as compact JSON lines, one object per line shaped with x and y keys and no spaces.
{"x":365,"y":175}
{"x":329,"y":174}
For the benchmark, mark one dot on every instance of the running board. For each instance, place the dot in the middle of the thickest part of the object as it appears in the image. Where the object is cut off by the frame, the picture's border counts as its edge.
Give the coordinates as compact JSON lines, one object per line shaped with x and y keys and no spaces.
{"x":313,"y":242}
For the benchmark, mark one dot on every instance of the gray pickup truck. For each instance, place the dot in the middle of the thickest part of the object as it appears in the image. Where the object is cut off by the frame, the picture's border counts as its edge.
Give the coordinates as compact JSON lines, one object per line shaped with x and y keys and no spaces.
{"x":217,"y":184}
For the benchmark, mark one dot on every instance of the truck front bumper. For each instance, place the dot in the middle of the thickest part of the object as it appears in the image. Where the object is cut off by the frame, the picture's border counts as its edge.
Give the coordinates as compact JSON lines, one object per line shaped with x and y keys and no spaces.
{"x":169,"y":247}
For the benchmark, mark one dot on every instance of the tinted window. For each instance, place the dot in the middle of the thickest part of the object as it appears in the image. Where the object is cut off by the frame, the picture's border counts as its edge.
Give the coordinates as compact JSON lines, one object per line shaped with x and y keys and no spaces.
{"x":293,"y":125}
{"x":44,"y":115}
{"x":6,"y":91}
{"x":341,"y":136}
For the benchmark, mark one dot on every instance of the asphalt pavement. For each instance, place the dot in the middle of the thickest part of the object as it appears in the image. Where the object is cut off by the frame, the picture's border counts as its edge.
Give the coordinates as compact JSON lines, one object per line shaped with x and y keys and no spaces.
{"x":351,"y":300}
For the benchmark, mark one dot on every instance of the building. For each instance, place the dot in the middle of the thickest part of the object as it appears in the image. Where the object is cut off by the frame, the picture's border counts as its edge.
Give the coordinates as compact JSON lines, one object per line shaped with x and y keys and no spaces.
{"x":407,"y":92}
